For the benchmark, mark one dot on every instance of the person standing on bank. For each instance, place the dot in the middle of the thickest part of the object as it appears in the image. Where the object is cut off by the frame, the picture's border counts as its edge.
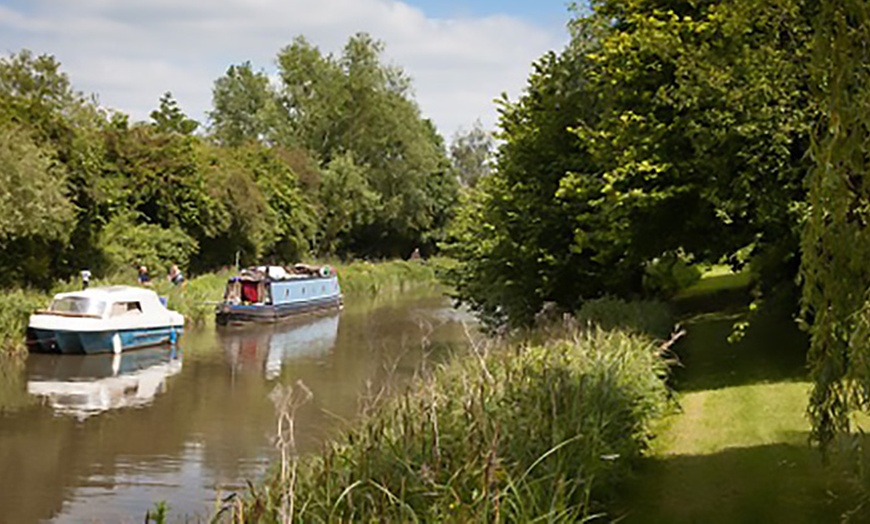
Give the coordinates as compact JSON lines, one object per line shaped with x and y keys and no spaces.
{"x":86,"y":278}
{"x":175,"y":275}
{"x":144,"y":278}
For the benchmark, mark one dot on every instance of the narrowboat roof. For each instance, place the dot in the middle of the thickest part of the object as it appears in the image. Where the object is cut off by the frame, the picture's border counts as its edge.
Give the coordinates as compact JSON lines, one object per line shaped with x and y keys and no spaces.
{"x":280,"y":273}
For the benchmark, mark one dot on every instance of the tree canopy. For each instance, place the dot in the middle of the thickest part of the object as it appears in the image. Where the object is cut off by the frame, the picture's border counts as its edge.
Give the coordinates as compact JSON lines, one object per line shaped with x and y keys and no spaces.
{"x":350,"y":109}
{"x":662,"y":128}
{"x":334,"y":159}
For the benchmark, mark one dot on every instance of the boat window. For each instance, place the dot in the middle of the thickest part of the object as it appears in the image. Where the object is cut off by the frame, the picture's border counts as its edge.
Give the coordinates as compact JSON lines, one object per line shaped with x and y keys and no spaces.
{"x":126,"y":308}
{"x":80,"y":305}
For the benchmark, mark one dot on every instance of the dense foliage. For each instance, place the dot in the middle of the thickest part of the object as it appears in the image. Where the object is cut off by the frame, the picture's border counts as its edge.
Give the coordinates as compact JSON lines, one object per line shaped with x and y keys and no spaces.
{"x":335,"y":160}
{"x":665,"y":130}
{"x":836,"y":242}
{"x":385,"y":185}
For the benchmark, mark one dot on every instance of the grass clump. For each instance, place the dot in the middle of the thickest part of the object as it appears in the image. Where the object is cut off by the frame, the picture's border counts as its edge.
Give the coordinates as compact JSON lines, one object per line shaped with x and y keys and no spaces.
{"x":511,"y":433}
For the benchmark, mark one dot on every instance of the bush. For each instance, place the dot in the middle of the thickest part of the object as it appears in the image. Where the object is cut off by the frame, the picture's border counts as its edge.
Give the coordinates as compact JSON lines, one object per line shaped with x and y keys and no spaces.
{"x":508,"y":435}
{"x":649,"y":317}
{"x":668,"y":275}
{"x":127,"y":244}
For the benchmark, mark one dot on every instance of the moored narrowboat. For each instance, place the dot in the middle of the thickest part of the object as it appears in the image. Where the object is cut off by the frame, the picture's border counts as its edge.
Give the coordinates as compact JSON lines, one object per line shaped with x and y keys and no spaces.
{"x":273,"y":293}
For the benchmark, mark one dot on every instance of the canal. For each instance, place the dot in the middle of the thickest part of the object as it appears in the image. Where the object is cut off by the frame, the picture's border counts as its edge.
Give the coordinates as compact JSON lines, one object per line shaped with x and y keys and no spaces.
{"x":104,"y":438}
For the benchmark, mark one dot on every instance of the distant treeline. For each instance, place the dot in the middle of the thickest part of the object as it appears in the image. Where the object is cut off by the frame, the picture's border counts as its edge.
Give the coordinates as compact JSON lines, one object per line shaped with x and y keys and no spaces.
{"x":333,"y":159}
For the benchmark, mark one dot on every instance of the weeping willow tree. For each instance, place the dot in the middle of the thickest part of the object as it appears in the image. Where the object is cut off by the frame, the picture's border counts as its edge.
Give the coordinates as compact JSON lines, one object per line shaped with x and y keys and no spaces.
{"x":836,"y":239}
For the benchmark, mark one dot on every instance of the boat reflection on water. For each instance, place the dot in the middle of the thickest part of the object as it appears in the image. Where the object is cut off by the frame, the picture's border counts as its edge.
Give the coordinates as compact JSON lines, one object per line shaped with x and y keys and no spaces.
{"x":267,"y":346}
{"x":86,"y":385}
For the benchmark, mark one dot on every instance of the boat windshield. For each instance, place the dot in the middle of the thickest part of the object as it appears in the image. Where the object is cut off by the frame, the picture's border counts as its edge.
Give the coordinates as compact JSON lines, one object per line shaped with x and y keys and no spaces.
{"x":80,"y":305}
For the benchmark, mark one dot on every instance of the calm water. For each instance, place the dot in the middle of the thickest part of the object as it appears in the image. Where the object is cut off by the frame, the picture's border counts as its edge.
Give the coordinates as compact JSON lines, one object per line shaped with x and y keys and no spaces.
{"x":101,"y":439}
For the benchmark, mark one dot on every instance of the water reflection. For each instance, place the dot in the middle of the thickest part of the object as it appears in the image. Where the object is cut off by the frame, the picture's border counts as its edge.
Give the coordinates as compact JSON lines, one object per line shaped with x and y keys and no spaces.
{"x":86,"y":385}
{"x":268,"y":347}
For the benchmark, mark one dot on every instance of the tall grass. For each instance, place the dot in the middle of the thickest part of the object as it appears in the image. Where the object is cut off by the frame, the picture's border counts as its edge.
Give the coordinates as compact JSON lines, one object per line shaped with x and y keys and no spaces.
{"x":366,"y":278}
{"x":15,"y":309}
{"x":509,"y":433}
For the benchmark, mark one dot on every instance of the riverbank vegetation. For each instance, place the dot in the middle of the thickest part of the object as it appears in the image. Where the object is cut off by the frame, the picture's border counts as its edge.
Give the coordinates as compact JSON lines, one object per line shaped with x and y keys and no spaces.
{"x":665,"y":137}
{"x":510,"y":432}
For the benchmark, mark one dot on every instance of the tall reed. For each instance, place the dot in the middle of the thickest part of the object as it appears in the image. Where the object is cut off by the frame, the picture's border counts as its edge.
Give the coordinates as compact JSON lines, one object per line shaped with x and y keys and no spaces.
{"x":509,"y":433}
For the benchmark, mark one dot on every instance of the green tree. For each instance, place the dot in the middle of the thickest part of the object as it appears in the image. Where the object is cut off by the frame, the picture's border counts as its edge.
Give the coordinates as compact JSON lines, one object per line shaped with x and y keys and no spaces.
{"x":35,"y":212}
{"x":37,"y":98}
{"x":663,"y":128}
{"x":292,"y":217}
{"x":170,"y":118}
{"x":33,"y":201}
{"x":237,"y":217}
{"x":311,"y":99}
{"x":243,"y":103}
{"x":160,"y":179}
{"x":347,"y":202}
{"x":471,"y":154}
{"x":129,"y":241}
{"x":354,"y":104}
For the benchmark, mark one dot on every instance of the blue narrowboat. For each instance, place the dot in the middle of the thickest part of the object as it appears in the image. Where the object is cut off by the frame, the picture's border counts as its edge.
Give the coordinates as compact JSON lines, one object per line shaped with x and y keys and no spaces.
{"x":272,"y":293}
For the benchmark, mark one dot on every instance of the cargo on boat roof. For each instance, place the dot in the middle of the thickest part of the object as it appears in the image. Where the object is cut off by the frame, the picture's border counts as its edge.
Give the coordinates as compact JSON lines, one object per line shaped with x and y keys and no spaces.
{"x":271,"y":293}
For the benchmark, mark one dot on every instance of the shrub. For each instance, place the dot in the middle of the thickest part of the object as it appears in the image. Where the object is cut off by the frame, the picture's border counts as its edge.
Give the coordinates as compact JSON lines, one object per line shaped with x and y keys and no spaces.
{"x":126,"y":243}
{"x":668,"y":275}
{"x":650,"y":317}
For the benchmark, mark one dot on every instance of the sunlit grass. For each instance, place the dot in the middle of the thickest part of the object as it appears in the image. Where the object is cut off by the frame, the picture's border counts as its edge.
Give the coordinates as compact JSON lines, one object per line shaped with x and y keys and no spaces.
{"x":717,"y":279}
{"x":739,"y":416}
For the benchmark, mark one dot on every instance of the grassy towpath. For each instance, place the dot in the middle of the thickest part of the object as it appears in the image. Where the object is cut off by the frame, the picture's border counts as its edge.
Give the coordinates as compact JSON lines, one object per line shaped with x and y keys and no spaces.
{"x":737,"y":450}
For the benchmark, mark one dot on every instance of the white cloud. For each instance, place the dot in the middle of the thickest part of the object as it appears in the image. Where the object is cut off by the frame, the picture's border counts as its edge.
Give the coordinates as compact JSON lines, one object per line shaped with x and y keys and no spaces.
{"x":131,"y":51}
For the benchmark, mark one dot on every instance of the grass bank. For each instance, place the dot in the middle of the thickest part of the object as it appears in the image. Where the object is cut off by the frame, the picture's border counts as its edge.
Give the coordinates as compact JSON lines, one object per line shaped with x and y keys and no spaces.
{"x":197,"y":298}
{"x":511,"y":432}
{"x":738,"y":450}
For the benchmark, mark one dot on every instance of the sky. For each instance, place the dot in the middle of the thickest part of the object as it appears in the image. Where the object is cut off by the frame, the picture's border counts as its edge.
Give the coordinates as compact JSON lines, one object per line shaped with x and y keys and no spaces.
{"x":460,"y":55}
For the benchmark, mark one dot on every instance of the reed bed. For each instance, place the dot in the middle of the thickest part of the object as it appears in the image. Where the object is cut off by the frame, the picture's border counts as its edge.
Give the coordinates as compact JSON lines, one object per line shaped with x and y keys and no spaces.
{"x":510,"y":433}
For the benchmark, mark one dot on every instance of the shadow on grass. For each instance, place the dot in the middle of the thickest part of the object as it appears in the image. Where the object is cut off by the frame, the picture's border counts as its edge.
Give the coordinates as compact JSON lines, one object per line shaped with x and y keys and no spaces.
{"x":773,"y":349}
{"x":727,"y":292}
{"x":772,"y":483}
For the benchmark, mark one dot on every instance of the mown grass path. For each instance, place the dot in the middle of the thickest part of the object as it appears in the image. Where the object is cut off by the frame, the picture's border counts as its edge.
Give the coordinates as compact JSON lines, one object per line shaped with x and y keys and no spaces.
{"x":737,"y":450}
